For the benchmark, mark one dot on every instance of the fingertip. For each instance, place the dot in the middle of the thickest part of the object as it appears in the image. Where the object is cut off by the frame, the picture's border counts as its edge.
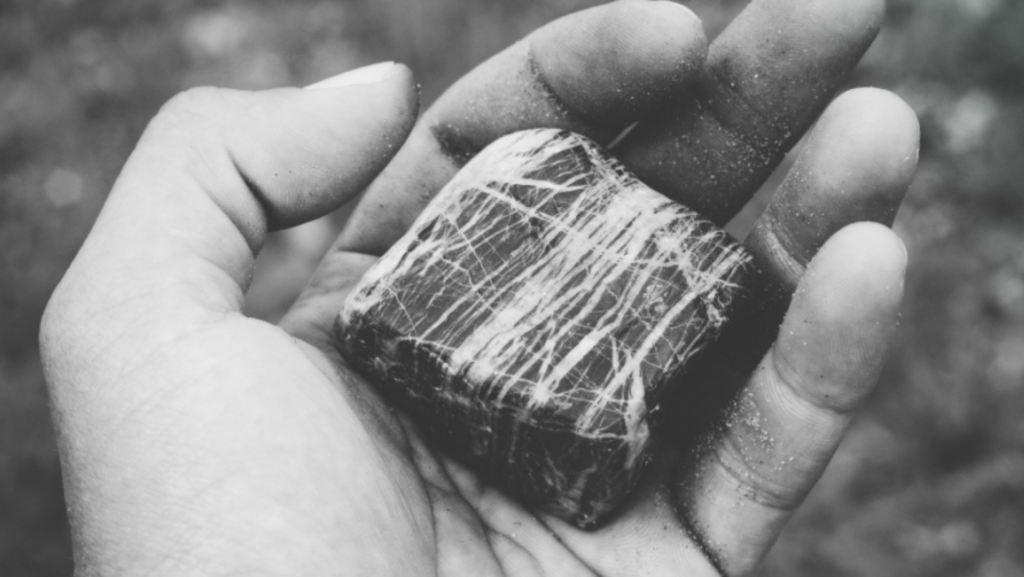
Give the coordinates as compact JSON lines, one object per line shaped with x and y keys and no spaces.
{"x":618,"y":62}
{"x":833,"y":342}
{"x":852,"y":18}
{"x":391,"y":98}
{"x":398,"y":106}
{"x":856,"y":278}
{"x":877,"y":136}
{"x":407,"y":95}
{"x":668,"y":35}
{"x":305,"y":152}
{"x":829,"y":23}
{"x":871,"y":13}
{"x":787,"y":57}
{"x":866,"y":245}
{"x":857,"y":165}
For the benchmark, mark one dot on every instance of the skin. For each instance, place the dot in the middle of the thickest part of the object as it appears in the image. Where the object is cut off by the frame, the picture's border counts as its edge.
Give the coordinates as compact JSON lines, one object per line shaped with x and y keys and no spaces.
{"x":195,"y":440}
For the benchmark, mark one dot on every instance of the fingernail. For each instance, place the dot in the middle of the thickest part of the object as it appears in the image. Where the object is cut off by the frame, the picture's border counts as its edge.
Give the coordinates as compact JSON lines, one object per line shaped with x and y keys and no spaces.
{"x":371,"y":74}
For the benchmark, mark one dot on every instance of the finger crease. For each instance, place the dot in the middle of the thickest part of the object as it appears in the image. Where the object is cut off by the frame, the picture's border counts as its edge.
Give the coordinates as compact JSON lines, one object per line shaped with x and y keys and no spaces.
{"x":549,"y":93}
{"x":756,"y":130}
{"x":696,"y":534}
{"x":753,"y":485}
{"x":791,"y":379}
{"x":790,"y":260}
{"x":258,"y":195}
{"x":454,"y":145}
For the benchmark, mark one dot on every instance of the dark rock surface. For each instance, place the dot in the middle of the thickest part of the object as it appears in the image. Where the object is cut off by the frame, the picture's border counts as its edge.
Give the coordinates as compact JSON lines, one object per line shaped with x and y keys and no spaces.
{"x":535,"y":314}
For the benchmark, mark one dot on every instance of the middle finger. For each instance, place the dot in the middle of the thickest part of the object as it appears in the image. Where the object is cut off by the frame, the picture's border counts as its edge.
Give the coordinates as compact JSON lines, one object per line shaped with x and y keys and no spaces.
{"x":768,"y":77}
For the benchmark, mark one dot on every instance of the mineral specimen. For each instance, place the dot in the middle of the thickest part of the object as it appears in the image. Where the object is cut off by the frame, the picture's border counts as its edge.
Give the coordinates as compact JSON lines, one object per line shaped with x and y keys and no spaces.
{"x":536,"y":312}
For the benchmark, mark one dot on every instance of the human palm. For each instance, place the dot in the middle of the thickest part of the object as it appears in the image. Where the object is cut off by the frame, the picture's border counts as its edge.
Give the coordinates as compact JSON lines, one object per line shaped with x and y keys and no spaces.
{"x":196,"y":440}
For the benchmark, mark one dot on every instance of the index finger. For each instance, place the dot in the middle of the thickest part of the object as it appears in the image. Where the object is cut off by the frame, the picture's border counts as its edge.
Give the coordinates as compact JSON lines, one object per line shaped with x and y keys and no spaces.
{"x":594,"y":72}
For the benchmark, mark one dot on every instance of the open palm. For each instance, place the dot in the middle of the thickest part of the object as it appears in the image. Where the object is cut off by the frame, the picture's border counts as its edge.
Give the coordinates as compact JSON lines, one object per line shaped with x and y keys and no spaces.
{"x":198,"y":441}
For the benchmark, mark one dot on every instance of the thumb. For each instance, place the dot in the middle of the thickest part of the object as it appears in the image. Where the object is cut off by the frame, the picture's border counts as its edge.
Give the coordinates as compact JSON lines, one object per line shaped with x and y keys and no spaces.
{"x":215,"y":170}
{"x":183,"y":434}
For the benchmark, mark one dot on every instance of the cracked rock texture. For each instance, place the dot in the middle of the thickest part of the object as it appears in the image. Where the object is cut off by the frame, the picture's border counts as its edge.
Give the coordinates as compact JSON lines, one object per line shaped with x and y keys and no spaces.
{"x":535,"y":314}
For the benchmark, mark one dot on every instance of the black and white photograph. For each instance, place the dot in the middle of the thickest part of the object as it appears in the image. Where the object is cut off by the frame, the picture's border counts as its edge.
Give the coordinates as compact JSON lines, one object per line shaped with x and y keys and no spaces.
{"x":512,"y":288}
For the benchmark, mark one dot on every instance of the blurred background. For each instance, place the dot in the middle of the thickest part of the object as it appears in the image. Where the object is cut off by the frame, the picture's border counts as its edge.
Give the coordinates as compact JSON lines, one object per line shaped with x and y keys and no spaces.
{"x":931,"y":478}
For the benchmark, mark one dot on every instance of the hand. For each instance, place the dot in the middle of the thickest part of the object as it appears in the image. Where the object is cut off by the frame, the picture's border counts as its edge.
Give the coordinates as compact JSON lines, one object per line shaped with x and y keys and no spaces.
{"x":195,"y":440}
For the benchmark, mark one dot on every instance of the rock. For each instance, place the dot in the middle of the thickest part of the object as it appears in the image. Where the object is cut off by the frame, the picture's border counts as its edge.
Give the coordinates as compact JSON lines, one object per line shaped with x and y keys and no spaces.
{"x":535,"y":314}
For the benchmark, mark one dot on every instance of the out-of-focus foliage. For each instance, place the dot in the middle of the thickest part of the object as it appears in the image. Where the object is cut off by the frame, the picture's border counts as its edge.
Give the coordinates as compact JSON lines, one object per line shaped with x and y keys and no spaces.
{"x":931,"y":478}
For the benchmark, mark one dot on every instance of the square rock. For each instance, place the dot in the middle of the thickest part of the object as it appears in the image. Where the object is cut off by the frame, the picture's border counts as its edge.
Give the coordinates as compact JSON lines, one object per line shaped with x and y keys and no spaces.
{"x":535,"y":314}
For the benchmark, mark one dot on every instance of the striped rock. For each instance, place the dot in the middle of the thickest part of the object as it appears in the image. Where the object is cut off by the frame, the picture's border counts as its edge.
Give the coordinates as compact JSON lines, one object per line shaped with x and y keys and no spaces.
{"x":535,"y":314}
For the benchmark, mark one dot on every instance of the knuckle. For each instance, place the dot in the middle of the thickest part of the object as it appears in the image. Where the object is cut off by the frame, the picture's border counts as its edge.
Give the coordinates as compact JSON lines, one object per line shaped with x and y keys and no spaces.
{"x":54,"y":324}
{"x":202,"y":100}
{"x":190,"y":131}
{"x":196,"y":109}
